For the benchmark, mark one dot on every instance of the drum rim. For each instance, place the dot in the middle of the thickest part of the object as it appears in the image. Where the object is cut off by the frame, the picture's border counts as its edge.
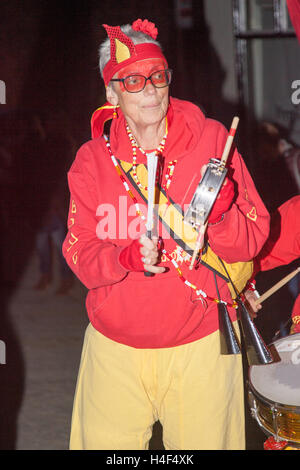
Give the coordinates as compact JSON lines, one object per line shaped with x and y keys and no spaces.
{"x":272,"y":402}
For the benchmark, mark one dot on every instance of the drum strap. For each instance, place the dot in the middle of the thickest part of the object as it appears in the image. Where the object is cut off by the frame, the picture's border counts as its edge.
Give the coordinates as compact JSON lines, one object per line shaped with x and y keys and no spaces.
{"x":171,"y":215}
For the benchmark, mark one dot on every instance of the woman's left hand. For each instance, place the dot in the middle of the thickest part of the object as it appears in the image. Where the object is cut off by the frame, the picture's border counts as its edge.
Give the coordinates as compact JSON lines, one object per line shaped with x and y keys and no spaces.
{"x":223,"y":201}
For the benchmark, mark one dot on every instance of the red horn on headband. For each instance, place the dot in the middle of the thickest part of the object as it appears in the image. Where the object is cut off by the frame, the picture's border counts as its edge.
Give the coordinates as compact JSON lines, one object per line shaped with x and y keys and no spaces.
{"x":123,"y":51}
{"x":121,"y":46}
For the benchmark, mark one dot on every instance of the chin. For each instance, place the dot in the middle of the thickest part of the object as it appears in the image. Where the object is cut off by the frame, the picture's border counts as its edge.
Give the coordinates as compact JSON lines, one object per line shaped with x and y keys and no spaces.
{"x":152,"y":116}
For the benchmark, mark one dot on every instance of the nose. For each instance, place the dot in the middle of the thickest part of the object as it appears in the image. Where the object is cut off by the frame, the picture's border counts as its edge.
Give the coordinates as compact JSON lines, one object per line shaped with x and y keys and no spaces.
{"x":149,"y":87}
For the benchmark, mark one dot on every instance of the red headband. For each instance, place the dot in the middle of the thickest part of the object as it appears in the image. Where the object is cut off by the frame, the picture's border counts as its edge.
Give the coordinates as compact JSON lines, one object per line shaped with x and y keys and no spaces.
{"x":124,"y":52}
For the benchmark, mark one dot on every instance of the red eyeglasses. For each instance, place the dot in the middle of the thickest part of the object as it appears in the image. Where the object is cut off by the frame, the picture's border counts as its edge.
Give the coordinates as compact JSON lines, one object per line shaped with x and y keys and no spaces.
{"x":135,"y":83}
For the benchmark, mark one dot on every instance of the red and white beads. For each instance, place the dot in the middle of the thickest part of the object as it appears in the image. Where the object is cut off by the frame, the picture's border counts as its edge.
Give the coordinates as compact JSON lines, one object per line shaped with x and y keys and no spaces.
{"x":199,"y":292}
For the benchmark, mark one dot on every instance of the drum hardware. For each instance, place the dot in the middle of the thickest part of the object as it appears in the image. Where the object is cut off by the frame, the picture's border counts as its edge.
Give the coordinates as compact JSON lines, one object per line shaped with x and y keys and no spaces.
{"x":229,"y":343}
{"x":256,"y":350}
{"x":275,"y":415}
{"x":254,"y":409}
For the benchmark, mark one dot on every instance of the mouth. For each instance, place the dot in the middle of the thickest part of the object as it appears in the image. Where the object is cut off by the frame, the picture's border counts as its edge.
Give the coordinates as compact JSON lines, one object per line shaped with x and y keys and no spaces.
{"x":151,"y":106}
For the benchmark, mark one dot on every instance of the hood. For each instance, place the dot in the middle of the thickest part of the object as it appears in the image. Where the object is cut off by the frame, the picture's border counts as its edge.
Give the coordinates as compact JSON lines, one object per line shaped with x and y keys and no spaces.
{"x":185,"y":123}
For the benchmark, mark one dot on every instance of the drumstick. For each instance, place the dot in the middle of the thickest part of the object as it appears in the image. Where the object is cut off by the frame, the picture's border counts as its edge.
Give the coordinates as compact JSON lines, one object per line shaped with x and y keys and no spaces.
{"x":152,"y":161}
{"x":229,"y":140}
{"x":202,"y":229}
{"x":199,"y":244}
{"x":276,"y":286}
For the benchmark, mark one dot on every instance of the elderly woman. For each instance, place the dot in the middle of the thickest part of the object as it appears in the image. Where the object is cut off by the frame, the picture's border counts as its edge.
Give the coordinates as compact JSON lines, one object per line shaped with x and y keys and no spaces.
{"x":152,"y":347}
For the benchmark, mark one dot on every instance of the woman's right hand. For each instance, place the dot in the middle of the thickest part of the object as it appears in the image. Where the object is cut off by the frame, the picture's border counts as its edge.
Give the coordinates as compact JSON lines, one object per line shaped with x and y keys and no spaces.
{"x":150,"y":254}
{"x":251,"y":298}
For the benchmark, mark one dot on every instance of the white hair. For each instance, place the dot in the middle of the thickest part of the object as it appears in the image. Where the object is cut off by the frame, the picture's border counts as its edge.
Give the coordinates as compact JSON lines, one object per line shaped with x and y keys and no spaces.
{"x":136,"y":36}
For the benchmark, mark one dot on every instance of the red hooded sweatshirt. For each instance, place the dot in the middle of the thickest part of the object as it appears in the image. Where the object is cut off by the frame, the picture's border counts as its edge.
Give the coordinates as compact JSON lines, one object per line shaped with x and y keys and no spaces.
{"x":158,"y":311}
{"x":283,"y":244}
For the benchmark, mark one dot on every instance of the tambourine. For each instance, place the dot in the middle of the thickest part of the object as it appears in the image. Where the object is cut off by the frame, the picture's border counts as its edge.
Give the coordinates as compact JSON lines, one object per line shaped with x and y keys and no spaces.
{"x":206,"y":193}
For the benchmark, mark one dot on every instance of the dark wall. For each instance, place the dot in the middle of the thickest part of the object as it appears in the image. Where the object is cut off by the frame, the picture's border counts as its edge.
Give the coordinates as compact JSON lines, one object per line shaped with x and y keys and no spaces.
{"x":50,"y":53}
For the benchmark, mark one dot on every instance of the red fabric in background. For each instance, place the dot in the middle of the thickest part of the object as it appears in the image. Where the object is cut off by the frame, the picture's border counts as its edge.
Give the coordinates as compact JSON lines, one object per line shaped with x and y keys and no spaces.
{"x":283,"y":244}
{"x":294,"y":11}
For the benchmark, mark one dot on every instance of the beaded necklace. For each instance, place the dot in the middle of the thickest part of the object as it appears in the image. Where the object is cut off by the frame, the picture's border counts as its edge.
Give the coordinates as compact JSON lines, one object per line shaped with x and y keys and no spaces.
{"x":203,"y":296}
{"x":158,"y":151}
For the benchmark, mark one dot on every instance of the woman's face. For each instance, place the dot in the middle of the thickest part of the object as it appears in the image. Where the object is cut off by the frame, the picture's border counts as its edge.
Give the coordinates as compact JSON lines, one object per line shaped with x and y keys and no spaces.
{"x":146,"y":107}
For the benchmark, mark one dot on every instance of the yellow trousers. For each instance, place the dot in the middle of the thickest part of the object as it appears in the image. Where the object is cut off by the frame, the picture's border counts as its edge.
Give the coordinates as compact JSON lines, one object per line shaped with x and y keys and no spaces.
{"x":196,"y":394}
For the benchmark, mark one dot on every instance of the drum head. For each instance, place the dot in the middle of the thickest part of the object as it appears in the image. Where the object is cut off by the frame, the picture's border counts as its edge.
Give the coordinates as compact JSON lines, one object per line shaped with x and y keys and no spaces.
{"x":280,"y":381}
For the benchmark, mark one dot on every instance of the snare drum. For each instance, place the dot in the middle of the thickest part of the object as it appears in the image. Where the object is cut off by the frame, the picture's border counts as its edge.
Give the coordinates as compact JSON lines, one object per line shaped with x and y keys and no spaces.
{"x":274,"y":392}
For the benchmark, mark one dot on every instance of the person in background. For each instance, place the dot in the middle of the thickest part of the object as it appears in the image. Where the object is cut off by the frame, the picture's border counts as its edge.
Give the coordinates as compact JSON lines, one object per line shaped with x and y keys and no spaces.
{"x":281,"y":248}
{"x":50,"y":200}
{"x":276,"y":174}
